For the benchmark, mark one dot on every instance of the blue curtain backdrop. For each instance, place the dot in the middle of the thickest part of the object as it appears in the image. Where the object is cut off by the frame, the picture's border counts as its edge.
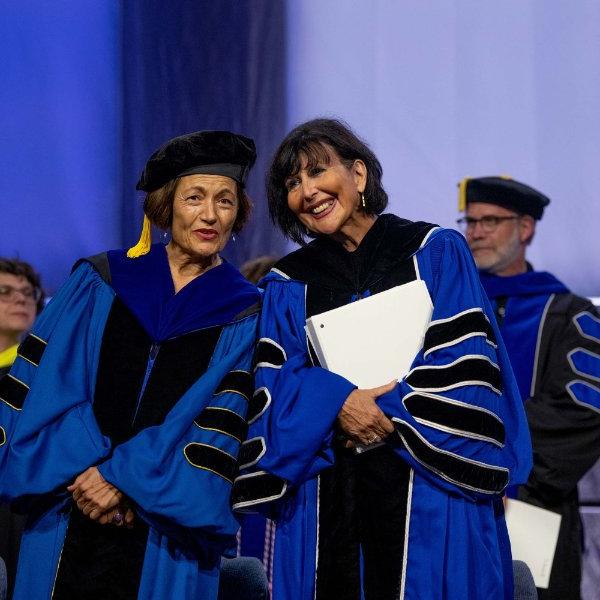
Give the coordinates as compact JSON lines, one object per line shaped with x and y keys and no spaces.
{"x":201,"y":64}
{"x":60,"y":143}
{"x":89,"y":89}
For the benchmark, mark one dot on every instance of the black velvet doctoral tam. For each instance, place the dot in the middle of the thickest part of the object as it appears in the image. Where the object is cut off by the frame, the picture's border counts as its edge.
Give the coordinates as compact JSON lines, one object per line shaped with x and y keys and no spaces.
{"x":202,"y":152}
{"x":507,"y":193}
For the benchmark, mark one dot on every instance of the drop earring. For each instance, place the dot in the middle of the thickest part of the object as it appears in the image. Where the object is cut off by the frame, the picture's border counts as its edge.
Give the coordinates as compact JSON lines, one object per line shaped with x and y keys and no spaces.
{"x":363,"y":202}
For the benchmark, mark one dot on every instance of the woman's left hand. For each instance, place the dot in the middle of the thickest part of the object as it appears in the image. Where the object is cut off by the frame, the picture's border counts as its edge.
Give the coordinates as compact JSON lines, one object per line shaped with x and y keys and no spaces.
{"x":121,"y":515}
{"x":93,"y":494}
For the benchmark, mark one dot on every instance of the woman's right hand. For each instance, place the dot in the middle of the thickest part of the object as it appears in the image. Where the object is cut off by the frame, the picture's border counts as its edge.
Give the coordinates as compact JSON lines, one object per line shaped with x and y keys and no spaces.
{"x":361,"y":419}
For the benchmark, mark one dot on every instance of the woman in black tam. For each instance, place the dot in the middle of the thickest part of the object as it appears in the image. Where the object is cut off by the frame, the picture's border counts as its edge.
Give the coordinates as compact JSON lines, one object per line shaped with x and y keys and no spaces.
{"x":417,"y":513}
{"x":121,"y":419}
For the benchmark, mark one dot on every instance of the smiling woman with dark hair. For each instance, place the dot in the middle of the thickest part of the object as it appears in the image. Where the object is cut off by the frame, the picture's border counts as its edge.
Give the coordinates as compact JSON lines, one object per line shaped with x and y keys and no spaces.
{"x":417,"y":513}
{"x":313,"y":142}
{"x":122,"y":417}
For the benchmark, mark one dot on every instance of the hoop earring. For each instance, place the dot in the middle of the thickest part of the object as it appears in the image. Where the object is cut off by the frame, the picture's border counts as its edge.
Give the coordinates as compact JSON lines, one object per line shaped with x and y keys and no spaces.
{"x":363,"y":202}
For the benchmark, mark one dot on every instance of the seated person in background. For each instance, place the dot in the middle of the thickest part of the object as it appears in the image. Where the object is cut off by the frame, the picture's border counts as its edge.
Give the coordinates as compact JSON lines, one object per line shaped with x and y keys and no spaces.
{"x":553,"y":341}
{"x":21,"y":298}
{"x":256,"y":268}
{"x":242,"y":578}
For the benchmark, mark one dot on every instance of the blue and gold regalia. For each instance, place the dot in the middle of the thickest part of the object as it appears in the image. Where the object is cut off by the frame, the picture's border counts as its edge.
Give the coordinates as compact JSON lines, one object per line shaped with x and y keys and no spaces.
{"x":461,"y":434}
{"x":151,"y":386}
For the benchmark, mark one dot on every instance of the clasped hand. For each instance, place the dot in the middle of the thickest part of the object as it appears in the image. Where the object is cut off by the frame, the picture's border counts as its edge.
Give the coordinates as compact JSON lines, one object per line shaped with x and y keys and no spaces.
{"x":361,"y":419}
{"x":99,"y":500}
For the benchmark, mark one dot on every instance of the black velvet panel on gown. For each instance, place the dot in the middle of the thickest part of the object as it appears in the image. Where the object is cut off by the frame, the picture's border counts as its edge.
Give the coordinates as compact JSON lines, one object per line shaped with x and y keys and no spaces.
{"x":101,"y":562}
{"x":363,"y":497}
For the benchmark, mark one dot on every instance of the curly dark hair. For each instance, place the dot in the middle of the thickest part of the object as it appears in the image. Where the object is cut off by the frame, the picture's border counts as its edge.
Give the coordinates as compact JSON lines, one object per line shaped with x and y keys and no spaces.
{"x":312,"y":140}
{"x":158,"y":206}
{"x":14,"y":266}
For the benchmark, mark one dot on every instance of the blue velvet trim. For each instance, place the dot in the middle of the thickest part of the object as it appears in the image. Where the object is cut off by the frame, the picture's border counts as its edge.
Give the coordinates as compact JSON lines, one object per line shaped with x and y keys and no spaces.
{"x":145,"y":285}
{"x":532,"y":283}
{"x":527,"y":296}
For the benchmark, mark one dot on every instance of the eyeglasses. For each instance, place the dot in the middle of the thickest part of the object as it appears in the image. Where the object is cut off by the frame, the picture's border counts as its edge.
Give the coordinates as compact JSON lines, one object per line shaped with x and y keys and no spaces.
{"x":8,"y":293}
{"x":488,"y":223}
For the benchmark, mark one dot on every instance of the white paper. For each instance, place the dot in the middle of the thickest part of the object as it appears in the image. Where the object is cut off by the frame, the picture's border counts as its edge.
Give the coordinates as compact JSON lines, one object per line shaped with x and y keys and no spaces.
{"x":374,"y":340}
{"x":533,"y":533}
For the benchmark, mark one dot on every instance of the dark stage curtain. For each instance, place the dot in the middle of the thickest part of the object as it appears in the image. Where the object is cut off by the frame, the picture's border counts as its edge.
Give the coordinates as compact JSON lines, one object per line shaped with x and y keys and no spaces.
{"x":203,"y":64}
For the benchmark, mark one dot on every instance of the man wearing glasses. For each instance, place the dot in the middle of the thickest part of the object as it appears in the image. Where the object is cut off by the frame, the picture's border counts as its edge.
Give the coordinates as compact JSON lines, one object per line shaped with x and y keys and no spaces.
{"x":21,"y":299}
{"x":553,"y":341}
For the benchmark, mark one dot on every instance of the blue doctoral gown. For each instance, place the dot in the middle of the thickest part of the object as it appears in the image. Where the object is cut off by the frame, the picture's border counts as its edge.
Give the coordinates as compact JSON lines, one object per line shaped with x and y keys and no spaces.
{"x":460,"y":424}
{"x":553,"y":340}
{"x":89,"y":388}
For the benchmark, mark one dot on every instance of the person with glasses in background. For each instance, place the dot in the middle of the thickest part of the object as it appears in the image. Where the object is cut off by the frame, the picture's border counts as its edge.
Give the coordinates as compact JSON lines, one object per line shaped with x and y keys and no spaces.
{"x":21,"y":299}
{"x":553,"y":340}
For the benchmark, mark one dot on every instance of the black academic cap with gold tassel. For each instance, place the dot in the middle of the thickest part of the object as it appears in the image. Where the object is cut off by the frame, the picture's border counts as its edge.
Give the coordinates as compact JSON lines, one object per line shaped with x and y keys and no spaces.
{"x":202,"y":152}
{"x":503,"y":191}
{"x":462,"y":194}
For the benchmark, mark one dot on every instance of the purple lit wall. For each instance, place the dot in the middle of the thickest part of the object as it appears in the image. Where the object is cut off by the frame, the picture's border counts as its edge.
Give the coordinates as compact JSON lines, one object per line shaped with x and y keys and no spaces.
{"x":444,"y":89}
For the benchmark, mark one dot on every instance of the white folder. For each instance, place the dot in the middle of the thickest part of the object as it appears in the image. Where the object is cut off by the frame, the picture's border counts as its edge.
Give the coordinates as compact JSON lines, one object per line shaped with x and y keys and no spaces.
{"x":533,"y":534}
{"x":374,"y":340}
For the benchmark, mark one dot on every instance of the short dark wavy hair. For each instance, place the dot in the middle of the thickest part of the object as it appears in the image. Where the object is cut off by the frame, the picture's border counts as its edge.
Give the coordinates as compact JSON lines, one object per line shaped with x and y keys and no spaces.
{"x":311,"y":140}
{"x":14,"y":266}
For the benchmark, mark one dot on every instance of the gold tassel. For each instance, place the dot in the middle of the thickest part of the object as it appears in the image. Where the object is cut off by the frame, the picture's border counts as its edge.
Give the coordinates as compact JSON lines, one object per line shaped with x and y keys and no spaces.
{"x":144,"y":243}
{"x":462,"y":194}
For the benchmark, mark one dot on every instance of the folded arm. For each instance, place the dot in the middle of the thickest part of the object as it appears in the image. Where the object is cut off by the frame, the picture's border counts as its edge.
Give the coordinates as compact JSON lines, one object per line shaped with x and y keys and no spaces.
{"x":457,"y":412}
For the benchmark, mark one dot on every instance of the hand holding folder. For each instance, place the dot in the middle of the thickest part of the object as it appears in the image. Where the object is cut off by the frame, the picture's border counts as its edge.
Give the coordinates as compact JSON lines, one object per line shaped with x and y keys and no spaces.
{"x":374,"y":340}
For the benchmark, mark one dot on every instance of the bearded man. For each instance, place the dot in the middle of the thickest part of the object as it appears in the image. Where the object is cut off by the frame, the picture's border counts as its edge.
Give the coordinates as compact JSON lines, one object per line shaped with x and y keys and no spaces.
{"x":553,"y":341}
